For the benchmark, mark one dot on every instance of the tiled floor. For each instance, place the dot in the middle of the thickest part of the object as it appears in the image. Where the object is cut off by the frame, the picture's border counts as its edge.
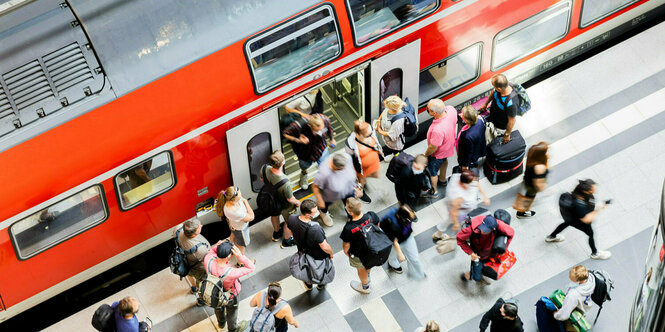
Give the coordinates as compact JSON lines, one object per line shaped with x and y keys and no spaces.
{"x":605,"y":125}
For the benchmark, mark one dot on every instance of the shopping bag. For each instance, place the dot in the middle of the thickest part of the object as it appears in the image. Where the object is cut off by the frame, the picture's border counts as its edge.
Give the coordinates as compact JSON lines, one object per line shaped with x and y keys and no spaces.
{"x":497,"y":266}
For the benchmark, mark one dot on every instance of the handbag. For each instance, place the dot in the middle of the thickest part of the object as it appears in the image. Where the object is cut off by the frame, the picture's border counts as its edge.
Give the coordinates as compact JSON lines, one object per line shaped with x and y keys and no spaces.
{"x":446,"y":244}
{"x":497,"y":266}
{"x":522,"y":202}
{"x":312,"y":271}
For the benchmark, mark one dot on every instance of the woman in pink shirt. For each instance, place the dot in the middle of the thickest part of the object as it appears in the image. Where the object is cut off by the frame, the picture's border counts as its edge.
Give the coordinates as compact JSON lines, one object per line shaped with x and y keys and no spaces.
{"x":440,"y":142}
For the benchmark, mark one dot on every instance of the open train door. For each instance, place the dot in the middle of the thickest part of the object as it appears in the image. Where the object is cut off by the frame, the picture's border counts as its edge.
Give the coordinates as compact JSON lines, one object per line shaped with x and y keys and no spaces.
{"x":396,"y":73}
{"x":250,"y":144}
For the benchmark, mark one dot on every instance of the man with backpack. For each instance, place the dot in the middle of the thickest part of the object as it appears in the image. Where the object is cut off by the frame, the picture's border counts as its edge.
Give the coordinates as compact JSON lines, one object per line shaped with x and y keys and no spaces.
{"x":410,"y":177}
{"x":578,"y":295}
{"x":364,"y":243}
{"x":195,"y":247}
{"x":396,"y":122}
{"x":335,"y":181}
{"x":503,"y":110}
{"x":310,"y":143}
{"x":578,"y":210}
{"x":477,"y":239}
{"x":282,"y":194}
{"x":440,"y":142}
{"x":125,"y":316}
{"x":218,"y":267}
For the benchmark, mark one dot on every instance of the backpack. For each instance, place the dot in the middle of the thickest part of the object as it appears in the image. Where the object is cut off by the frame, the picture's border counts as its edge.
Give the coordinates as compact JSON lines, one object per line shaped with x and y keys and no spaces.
{"x":397,"y":164}
{"x":566,"y":205}
{"x":410,"y":120}
{"x":317,"y":107}
{"x":178,"y":260}
{"x":525,"y":102}
{"x":212,"y":292}
{"x":601,"y":292}
{"x":375,"y":244}
{"x":289,"y":118}
{"x":263,"y":319}
{"x":103,"y":319}
{"x":268,"y":199}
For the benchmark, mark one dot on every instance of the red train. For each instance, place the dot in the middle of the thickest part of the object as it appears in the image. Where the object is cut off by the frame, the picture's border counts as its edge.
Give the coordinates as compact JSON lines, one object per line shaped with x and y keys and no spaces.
{"x":121,"y":119}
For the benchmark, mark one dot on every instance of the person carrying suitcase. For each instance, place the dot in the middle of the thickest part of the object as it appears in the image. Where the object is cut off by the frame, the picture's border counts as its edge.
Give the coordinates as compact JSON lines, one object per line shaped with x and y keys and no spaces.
{"x":503,"y":109}
{"x":477,"y":239}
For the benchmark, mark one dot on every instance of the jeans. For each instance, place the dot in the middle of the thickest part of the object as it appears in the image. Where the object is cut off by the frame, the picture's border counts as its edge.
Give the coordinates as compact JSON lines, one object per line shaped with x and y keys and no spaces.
{"x":410,"y":250}
{"x":586,"y":228}
{"x":304,"y":164}
{"x":231,"y":315}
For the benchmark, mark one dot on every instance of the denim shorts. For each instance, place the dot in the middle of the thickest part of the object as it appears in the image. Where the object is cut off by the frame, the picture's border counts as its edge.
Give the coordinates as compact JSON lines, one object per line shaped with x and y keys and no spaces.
{"x":434,"y":164}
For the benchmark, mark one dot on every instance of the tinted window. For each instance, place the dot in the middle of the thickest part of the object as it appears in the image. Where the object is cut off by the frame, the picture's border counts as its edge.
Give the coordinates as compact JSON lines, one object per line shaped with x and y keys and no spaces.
{"x":450,"y":74}
{"x":59,"y":222}
{"x":390,"y":85}
{"x":145,"y":180}
{"x":531,"y":35}
{"x":288,"y":50}
{"x":595,"y":10}
{"x":259,"y":149}
{"x":374,"y":18}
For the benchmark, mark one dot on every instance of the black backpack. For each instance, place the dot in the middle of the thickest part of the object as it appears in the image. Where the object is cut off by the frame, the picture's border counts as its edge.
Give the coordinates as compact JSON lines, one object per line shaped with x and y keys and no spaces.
{"x":289,"y":118}
{"x":601,"y":292}
{"x":178,"y":260}
{"x":566,"y":205}
{"x":375,"y":245}
{"x":268,"y":199}
{"x":397,"y":164}
{"x":103,"y":319}
{"x":410,"y":120}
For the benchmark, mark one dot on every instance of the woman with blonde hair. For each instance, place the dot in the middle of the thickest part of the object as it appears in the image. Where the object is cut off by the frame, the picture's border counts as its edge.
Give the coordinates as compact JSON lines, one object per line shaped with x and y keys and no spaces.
{"x":470,"y":144}
{"x":235,"y":208}
{"x":391,"y":131}
{"x":535,"y":174}
{"x":431,"y":326}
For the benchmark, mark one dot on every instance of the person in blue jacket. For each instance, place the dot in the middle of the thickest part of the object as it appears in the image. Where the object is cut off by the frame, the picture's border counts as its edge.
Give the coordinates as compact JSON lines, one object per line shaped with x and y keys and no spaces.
{"x":470,"y":143}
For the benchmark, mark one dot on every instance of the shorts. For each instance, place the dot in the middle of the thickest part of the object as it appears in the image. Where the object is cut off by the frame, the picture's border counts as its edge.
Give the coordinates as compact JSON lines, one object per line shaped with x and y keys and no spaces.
{"x":356,"y":263}
{"x":198,"y":272}
{"x":241,"y":237}
{"x":434,"y":164}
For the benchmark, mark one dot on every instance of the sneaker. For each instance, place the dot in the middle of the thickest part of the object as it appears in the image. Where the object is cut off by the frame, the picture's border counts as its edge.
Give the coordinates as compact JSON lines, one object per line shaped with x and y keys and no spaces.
{"x":365,"y":198}
{"x":601,"y":254}
{"x":308,"y":287}
{"x":242,"y":325}
{"x":278,"y":235}
{"x":358,"y":287}
{"x":431,"y":194}
{"x":438,"y":235}
{"x":397,"y":270}
{"x":200,"y":303}
{"x":304,"y":184}
{"x":320,"y":287}
{"x":290,"y":242}
{"x":327,"y":220}
{"x":526,"y":214}
{"x":557,"y":238}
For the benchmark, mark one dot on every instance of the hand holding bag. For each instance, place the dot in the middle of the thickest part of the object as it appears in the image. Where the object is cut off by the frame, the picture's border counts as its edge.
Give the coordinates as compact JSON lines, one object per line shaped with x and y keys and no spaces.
{"x":497,"y":266}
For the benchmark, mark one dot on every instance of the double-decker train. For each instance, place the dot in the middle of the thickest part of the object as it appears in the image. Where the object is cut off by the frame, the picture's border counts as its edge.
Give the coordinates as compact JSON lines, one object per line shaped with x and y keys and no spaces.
{"x":121,"y":119}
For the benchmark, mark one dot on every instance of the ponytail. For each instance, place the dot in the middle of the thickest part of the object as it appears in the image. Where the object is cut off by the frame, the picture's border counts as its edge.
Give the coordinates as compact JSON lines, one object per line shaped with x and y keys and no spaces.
{"x":223,"y":197}
{"x":274,"y":292}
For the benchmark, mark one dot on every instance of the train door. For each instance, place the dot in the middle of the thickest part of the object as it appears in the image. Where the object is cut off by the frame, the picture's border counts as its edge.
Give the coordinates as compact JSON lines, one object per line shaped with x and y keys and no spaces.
{"x":396,"y":73}
{"x":250,"y":145}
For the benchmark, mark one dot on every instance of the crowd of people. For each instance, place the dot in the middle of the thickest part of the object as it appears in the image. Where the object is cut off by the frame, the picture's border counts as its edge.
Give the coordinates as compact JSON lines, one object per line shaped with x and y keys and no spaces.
{"x":343,"y":177}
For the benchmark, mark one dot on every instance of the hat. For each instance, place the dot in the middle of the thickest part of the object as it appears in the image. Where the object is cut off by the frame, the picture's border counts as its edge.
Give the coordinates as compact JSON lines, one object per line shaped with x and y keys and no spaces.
{"x":488,"y":224}
{"x":224,"y":249}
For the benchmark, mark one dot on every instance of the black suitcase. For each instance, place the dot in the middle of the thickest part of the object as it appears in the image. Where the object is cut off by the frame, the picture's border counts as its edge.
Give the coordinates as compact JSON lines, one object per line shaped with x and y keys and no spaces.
{"x":504,"y":162}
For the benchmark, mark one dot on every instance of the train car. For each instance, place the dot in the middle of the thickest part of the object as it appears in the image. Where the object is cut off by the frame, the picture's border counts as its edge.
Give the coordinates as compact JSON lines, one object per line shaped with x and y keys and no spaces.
{"x":121,"y":119}
{"x":648,"y":310}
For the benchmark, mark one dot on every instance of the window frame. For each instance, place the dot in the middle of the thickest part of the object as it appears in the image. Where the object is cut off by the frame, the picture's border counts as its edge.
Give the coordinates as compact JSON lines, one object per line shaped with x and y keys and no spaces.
{"x":173,"y":176}
{"x":494,"y":40}
{"x":479,"y":70}
{"x":600,"y":18}
{"x":397,"y":28}
{"x":292,"y":20}
{"x":107,"y":212}
{"x":249,"y":163}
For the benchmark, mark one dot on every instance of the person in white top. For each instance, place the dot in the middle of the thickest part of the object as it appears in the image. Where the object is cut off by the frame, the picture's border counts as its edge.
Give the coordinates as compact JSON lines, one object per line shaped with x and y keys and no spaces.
{"x":461,"y":197}
{"x":238,"y":213}
{"x":305,"y":105}
{"x":392,"y":132}
{"x":578,"y":295}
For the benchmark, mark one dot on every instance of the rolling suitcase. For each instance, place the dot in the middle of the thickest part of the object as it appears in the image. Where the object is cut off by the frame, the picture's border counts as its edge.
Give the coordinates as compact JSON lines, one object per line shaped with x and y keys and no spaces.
{"x":504,"y":162}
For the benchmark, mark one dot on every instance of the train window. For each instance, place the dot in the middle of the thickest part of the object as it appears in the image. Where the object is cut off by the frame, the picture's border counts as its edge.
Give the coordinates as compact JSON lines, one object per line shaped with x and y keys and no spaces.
{"x":374,"y":18}
{"x":531,"y":34}
{"x":259,"y":149}
{"x":59,"y":222}
{"x":288,"y":50}
{"x":144,"y":181}
{"x":390,"y":85}
{"x":450,"y":74}
{"x":595,"y":10}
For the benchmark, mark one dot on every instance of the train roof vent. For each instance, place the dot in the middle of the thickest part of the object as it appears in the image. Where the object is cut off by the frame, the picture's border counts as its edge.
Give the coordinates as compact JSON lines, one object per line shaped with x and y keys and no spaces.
{"x":67,"y":67}
{"x":28,"y":85}
{"x":6,"y":113}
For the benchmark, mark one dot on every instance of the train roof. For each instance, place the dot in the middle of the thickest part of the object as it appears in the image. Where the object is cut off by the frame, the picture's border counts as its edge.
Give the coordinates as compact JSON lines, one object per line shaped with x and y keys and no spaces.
{"x":58,"y":62}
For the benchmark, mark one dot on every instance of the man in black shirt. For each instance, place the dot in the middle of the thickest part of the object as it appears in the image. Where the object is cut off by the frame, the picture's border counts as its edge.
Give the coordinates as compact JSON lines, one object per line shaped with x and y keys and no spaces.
{"x":309,"y":236}
{"x":503,"y":110}
{"x":503,"y":317}
{"x":351,"y":236}
{"x":412,"y":181}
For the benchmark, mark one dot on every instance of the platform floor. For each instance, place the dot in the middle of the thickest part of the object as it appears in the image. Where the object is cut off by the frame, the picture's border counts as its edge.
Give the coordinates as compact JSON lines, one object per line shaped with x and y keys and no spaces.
{"x":604,"y":119}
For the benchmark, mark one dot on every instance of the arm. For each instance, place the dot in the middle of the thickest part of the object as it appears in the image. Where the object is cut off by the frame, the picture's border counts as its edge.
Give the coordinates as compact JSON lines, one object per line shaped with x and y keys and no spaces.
{"x":256,"y":300}
{"x":486,"y":199}
{"x":462,"y":237}
{"x":317,"y":193}
{"x":289,"y":316}
{"x":325,"y":246}
{"x":246,"y":269}
{"x":506,"y":230}
{"x":294,"y":201}
{"x":250,"y":213}
{"x":454,"y":209}
{"x":589,"y":217}
{"x":485,"y":321}
{"x":431,"y":148}
{"x":569,"y":304}
{"x":331,"y":131}
{"x":540,"y":183}
{"x":346,"y":246}
{"x":509,"y":129}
